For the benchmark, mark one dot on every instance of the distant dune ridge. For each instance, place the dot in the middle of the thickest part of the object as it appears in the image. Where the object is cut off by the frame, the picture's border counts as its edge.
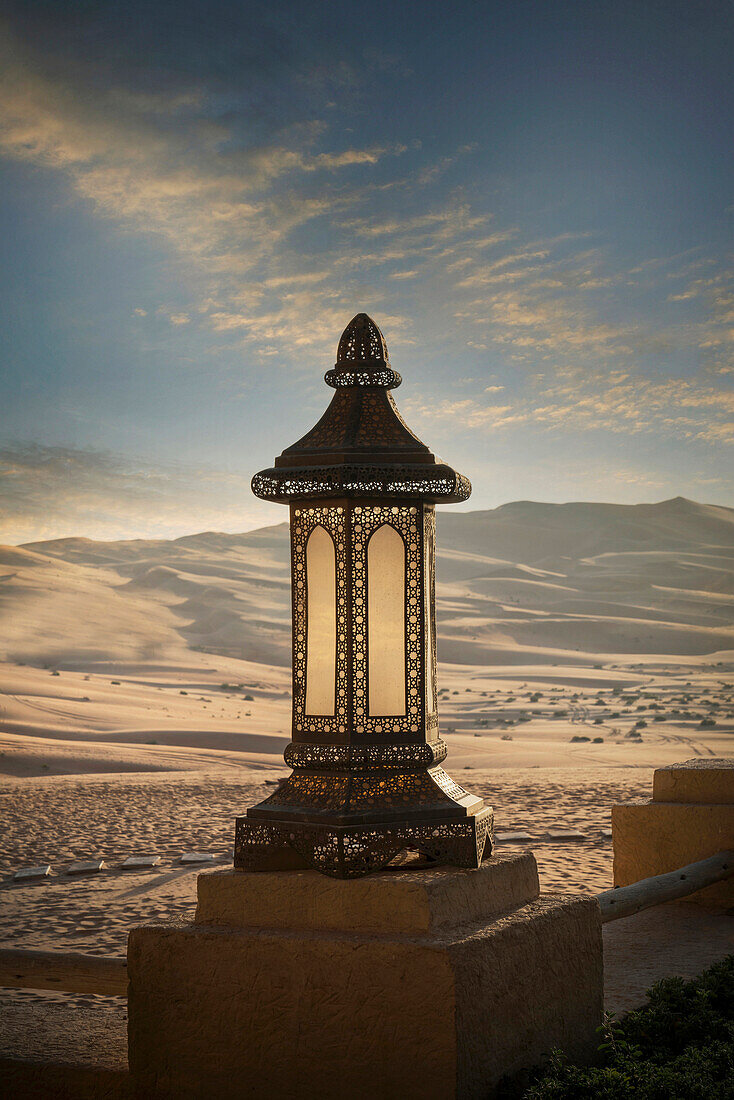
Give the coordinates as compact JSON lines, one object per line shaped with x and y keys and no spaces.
{"x":521,"y":583}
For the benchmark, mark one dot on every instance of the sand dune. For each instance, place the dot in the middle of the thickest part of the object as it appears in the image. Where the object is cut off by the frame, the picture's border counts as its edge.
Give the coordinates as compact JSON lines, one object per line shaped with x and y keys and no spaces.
{"x":145,"y":691}
{"x":535,"y":578}
{"x":540,"y":533}
{"x":588,"y":578}
{"x":51,"y":609}
{"x":152,"y":601}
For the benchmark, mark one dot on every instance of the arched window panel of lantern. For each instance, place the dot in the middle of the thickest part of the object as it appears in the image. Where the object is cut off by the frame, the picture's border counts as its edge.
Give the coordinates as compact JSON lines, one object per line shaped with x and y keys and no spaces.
{"x":406,"y":521}
{"x":385,"y":605}
{"x":321,"y":618}
{"x":332,"y":522}
{"x":359,"y":642}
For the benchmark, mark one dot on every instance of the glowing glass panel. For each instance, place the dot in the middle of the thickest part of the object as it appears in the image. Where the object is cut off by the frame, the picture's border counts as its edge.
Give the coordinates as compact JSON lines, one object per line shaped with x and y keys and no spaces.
{"x":321,"y":629}
{"x":386,"y":622}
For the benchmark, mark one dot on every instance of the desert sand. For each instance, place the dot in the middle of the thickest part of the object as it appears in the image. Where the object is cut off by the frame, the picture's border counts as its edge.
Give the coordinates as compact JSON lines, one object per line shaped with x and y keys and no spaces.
{"x":146,"y":694}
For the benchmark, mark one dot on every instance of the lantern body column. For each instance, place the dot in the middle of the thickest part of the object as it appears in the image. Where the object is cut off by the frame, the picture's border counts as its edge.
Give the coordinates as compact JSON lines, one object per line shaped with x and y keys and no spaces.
{"x":363,"y":642}
{"x":365,"y":749}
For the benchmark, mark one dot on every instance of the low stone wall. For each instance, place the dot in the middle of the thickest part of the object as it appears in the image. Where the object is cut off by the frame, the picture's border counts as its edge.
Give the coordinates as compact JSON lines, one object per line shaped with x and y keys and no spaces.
{"x":429,"y":984}
{"x":690,"y":817}
{"x":51,"y":1049}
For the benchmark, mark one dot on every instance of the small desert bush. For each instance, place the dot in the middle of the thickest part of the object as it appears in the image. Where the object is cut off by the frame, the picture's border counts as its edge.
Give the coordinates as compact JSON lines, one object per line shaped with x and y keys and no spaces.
{"x":678,"y":1046}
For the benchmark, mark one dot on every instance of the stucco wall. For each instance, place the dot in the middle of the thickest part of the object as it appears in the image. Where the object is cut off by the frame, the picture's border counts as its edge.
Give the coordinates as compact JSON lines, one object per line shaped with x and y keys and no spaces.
{"x":690,"y":817}
{"x":452,"y":980}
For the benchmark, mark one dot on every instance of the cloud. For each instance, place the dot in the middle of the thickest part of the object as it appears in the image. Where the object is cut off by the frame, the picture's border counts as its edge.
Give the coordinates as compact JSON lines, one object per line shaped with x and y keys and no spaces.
{"x":269,"y":222}
{"x":441,"y":225}
{"x":283,"y":229}
{"x":618,"y":402}
{"x":54,"y":492}
{"x":535,"y":302}
{"x":225,"y":204}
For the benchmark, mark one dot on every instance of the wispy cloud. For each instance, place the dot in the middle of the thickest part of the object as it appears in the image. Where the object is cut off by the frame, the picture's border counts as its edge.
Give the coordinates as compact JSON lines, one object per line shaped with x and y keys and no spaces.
{"x":225,"y":204}
{"x":617,"y":402}
{"x":234,"y":207}
{"x":281,"y":231}
{"x":54,"y":492}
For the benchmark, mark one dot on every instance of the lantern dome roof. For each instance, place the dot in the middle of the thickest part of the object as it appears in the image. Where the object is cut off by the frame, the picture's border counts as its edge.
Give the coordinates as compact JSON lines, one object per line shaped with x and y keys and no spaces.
{"x":361,"y":447}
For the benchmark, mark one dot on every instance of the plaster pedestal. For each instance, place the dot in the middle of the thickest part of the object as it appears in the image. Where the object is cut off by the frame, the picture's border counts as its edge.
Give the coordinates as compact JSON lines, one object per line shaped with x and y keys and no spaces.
{"x":426,"y":984}
{"x":690,"y":817}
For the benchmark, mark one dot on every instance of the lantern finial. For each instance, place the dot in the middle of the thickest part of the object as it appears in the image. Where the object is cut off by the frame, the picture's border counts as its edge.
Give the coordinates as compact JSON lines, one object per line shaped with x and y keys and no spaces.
{"x":363,"y":343}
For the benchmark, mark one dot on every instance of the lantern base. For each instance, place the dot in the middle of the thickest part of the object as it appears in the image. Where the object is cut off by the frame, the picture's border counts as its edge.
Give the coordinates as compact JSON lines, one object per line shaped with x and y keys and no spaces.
{"x":351,"y":851}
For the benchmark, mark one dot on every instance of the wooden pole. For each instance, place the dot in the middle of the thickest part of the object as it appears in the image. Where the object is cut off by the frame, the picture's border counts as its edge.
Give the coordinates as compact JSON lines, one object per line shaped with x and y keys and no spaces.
{"x":67,"y":971}
{"x":623,"y":901}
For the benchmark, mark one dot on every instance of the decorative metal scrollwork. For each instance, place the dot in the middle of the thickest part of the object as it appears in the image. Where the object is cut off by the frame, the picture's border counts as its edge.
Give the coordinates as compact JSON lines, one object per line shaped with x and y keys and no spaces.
{"x":387,"y":379}
{"x":352,"y":852}
{"x":354,"y":793}
{"x":364,"y":758}
{"x":430,"y":483}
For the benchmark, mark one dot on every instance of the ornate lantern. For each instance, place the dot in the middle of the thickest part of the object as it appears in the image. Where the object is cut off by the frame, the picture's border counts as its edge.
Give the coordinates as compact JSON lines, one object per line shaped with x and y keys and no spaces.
{"x":365,"y":751}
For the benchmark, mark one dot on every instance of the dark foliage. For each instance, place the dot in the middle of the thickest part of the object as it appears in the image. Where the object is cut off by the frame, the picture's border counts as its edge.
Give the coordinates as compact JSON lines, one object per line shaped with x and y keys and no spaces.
{"x":678,"y":1046}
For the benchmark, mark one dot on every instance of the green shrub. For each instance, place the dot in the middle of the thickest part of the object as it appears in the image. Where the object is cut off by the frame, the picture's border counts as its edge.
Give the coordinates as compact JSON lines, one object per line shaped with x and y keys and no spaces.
{"x":678,"y":1046}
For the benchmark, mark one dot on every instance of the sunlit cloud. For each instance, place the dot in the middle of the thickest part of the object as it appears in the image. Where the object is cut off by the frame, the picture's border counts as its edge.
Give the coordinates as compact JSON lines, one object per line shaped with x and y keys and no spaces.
{"x":225,"y":208}
{"x":276,"y":233}
{"x":619,"y":403}
{"x":55,"y":492}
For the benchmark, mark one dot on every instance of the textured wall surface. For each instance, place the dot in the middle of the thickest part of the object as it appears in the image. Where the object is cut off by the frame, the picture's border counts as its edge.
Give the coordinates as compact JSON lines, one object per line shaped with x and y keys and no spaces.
{"x":690,"y":817}
{"x":284,"y":1015}
{"x":527,"y":983}
{"x":393,"y":901}
{"x":651,"y":838}
{"x":440,"y":1010}
{"x":707,"y":779}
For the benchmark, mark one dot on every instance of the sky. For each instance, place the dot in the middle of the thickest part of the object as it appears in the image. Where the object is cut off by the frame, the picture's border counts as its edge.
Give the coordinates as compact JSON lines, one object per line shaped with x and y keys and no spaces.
{"x":532,"y":199}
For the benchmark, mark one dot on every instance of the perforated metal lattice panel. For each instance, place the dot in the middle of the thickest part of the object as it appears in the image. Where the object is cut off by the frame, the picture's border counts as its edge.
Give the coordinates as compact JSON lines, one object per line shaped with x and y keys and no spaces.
{"x":362,"y":342}
{"x":364,"y":758}
{"x":431,"y":483}
{"x":352,"y":852}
